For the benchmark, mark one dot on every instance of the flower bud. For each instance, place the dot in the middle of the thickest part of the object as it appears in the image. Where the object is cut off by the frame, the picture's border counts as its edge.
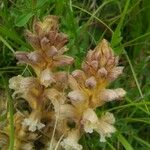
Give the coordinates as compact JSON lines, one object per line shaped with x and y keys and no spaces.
{"x":115,"y":73}
{"x":52,"y":51}
{"x":46,"y":77}
{"x":109,"y":95}
{"x":94,"y":64}
{"x":102,"y":72}
{"x":76,"y":96}
{"x":91,"y":82}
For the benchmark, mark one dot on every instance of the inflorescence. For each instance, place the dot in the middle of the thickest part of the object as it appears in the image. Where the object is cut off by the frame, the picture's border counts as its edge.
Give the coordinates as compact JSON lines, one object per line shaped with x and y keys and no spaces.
{"x":59,"y":107}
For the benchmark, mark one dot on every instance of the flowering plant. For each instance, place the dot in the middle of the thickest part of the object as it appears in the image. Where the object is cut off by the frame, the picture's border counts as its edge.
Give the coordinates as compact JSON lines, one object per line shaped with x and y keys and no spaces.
{"x":60,"y":106}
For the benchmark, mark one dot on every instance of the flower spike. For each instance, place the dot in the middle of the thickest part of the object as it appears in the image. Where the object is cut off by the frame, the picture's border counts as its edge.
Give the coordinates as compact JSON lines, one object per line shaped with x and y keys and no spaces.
{"x":55,"y":108}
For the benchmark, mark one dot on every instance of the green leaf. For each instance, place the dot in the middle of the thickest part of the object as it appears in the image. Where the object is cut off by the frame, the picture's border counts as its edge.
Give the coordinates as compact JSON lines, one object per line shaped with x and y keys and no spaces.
{"x":124,"y":142}
{"x":116,"y":37}
{"x":41,"y":3}
{"x":12,"y":34}
{"x":142,"y":141}
{"x":23,"y":19}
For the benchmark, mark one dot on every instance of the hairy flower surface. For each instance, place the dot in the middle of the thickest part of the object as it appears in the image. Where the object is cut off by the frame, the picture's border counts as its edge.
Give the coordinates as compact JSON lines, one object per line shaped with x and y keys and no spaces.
{"x":71,"y":141}
{"x":98,"y":70}
{"x":104,"y":125}
{"x":55,"y":108}
{"x":48,"y":44}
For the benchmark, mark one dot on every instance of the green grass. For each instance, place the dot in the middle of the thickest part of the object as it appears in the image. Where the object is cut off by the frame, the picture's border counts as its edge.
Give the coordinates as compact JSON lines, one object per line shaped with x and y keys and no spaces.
{"x":125,"y":23}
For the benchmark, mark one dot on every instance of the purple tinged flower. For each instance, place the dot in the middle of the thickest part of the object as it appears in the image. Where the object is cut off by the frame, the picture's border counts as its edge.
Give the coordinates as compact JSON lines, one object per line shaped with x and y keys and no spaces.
{"x":102,"y":72}
{"x":91,"y":82}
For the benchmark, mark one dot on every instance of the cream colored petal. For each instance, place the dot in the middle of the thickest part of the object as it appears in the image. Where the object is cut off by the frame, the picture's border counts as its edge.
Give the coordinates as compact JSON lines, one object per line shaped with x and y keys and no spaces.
{"x":90,"y":115}
{"x":22,"y":57}
{"x":105,"y":126}
{"x":89,"y":120}
{"x":71,"y":141}
{"x":115,"y":73}
{"x":23,"y":84}
{"x":46,"y":77}
{"x":35,"y":59}
{"x":109,"y":95}
{"x":108,"y":117}
{"x":76,"y":96}
{"x":14,"y":82}
{"x":33,"y":124}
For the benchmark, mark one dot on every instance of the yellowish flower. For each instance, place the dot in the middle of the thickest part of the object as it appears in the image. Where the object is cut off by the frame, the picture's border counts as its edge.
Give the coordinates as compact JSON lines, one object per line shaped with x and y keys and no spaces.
{"x":109,"y":95}
{"x":33,"y":124}
{"x":28,"y":88}
{"x":104,"y":125}
{"x":62,"y":105}
{"x":71,"y":141}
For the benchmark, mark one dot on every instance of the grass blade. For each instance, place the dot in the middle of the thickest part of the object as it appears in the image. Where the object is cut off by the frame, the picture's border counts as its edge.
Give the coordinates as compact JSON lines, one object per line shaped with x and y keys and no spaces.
{"x":124,"y":142}
{"x":11,"y":112}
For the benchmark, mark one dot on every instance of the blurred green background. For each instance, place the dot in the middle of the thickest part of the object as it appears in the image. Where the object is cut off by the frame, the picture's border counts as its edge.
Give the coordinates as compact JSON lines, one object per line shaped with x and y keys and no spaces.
{"x":124,"y":23}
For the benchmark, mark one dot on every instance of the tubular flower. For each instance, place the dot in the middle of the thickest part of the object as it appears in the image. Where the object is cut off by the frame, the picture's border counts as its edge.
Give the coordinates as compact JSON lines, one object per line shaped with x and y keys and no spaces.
{"x":104,"y":125}
{"x":55,"y":108}
{"x":71,"y":141}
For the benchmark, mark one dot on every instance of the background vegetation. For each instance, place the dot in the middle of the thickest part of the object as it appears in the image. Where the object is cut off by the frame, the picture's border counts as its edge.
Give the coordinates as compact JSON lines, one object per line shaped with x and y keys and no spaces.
{"x":125,"y":23}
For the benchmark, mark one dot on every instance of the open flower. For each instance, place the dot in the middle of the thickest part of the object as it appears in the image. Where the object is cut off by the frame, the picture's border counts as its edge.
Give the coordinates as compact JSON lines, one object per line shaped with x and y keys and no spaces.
{"x":46,"y":77}
{"x":104,"y":125}
{"x":71,"y":141}
{"x":89,"y":120}
{"x":32,"y":124}
{"x":28,"y":88}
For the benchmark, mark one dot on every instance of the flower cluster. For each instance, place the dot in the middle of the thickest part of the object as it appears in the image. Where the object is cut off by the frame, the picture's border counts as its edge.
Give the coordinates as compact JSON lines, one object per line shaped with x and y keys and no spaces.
{"x":60,"y":107}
